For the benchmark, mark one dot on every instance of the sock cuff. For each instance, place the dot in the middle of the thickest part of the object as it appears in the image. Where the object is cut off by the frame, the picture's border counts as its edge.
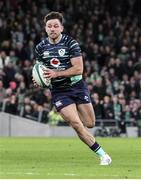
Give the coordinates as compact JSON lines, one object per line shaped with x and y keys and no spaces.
{"x":95,"y":147}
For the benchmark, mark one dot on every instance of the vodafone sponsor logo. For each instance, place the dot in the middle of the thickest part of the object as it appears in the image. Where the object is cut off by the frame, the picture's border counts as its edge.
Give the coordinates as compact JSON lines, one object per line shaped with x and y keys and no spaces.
{"x":55,"y":62}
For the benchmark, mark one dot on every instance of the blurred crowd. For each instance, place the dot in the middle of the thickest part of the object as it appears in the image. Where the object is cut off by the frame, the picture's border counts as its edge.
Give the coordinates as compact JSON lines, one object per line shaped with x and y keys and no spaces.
{"x":109,"y":33}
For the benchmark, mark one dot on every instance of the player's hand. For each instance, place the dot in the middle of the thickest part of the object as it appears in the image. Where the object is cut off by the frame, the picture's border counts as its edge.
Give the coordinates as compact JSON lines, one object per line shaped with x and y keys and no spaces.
{"x":49,"y":73}
{"x":34,"y":82}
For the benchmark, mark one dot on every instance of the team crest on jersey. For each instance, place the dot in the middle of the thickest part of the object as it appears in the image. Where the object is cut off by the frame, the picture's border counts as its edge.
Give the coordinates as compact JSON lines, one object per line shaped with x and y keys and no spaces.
{"x":55,"y":62}
{"x":61,"y":52}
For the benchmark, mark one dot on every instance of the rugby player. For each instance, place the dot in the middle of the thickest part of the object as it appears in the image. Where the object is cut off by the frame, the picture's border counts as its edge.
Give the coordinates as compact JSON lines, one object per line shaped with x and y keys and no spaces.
{"x":70,"y":95}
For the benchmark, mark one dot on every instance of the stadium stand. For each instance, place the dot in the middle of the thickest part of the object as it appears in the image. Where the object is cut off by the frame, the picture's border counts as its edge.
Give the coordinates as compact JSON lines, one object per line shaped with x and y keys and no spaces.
{"x":110,"y":38}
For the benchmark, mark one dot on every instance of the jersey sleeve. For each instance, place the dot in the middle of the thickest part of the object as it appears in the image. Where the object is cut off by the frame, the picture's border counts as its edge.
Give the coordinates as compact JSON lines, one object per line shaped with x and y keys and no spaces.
{"x":75,"y":49}
{"x":38,"y":53}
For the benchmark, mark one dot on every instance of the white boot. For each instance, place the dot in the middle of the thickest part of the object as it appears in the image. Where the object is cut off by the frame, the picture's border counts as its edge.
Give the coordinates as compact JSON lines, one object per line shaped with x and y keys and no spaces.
{"x":105,"y":160}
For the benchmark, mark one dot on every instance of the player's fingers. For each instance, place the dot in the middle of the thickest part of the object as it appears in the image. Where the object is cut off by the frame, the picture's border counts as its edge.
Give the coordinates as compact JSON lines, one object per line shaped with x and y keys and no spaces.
{"x":47,"y":74}
{"x":34,"y":83}
{"x":47,"y":70}
{"x":33,"y":79}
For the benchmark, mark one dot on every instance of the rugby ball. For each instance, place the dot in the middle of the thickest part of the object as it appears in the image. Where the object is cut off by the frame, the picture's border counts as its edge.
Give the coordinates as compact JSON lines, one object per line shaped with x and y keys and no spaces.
{"x":37,"y":74}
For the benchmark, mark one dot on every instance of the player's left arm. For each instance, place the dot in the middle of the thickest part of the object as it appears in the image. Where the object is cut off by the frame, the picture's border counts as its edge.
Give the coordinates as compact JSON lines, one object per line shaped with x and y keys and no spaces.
{"x":76,"y":69}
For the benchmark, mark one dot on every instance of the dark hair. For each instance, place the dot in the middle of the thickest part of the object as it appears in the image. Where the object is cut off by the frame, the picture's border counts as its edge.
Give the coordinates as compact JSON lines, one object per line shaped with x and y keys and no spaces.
{"x":54,"y":15}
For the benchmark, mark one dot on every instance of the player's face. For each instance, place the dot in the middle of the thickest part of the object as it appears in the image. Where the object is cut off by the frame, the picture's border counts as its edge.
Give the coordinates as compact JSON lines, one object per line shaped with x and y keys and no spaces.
{"x":53,"y":28}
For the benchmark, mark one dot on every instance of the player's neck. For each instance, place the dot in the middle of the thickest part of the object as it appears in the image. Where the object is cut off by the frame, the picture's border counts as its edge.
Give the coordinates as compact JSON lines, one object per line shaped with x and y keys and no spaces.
{"x":55,"y":41}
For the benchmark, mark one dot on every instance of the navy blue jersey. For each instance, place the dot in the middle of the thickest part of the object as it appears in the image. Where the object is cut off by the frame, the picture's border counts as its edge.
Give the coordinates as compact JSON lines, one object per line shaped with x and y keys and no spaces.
{"x":57,"y":56}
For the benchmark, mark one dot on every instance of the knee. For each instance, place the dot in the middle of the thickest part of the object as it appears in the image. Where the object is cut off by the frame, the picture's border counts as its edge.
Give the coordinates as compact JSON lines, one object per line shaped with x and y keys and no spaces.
{"x":91,"y":124}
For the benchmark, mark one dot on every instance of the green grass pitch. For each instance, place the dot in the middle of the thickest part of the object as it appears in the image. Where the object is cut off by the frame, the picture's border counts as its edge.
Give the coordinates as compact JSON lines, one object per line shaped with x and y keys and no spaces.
{"x":68,"y":158}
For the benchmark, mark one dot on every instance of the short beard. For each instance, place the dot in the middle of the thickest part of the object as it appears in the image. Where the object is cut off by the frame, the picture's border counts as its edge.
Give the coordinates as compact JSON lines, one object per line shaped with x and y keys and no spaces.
{"x":54,"y":40}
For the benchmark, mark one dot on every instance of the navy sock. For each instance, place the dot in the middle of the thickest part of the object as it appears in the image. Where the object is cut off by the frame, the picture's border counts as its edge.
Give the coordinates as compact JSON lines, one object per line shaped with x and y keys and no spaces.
{"x":97,"y":149}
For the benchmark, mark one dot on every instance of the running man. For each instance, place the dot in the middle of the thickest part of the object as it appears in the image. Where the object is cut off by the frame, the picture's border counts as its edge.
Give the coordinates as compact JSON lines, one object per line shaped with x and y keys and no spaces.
{"x":70,"y":95}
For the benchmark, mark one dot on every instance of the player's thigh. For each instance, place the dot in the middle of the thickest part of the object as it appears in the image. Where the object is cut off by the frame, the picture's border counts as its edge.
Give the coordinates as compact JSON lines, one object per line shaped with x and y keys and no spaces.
{"x":86,"y":113}
{"x":70,"y":115}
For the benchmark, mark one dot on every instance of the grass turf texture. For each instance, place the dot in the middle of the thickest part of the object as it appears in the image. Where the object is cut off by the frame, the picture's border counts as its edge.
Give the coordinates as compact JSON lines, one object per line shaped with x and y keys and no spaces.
{"x":68,"y":158}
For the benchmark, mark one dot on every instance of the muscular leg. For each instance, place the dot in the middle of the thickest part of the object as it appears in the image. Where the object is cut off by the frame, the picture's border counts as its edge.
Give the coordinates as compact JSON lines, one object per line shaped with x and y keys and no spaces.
{"x":70,"y":115}
{"x":87,"y":115}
